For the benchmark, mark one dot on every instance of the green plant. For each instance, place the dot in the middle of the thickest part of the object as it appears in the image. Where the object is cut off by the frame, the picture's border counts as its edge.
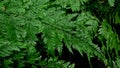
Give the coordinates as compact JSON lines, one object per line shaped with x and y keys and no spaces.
{"x":74,"y":22}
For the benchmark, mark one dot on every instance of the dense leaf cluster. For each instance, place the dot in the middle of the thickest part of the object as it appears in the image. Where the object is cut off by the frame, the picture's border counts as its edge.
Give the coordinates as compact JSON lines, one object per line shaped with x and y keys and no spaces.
{"x":34,"y":32}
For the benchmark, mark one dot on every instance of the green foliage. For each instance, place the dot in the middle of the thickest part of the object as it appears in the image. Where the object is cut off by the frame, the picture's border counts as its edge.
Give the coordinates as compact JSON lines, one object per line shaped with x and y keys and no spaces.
{"x":19,"y":24}
{"x":73,"y":22}
{"x":110,"y":45}
{"x":74,"y":5}
{"x":111,"y":2}
{"x":54,"y":63}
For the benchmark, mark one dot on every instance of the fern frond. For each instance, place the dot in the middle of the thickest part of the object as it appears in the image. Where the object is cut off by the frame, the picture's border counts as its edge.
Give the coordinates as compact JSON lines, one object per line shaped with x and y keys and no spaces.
{"x":55,"y":63}
{"x":110,"y":42}
{"x":74,"y":5}
{"x":62,"y":29}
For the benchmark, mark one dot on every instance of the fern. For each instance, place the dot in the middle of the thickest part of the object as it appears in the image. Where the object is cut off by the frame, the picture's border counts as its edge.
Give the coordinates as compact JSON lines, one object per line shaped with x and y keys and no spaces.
{"x":74,"y":5}
{"x":111,"y":42}
{"x":73,"y":22}
{"x":19,"y":26}
{"x":54,"y":63}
